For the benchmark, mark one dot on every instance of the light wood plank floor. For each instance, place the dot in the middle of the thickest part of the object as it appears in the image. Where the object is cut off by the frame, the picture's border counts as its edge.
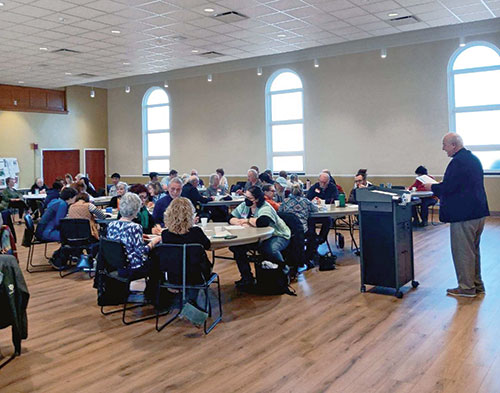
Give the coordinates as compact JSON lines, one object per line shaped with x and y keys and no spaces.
{"x":331,"y":338}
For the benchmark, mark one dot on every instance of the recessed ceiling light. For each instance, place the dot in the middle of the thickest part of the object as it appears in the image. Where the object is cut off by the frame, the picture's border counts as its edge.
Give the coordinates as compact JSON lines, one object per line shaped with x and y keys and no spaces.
{"x":126,"y":63}
{"x":43,"y":48}
{"x":67,"y":73}
{"x":2,"y":4}
{"x":392,"y":14}
{"x":281,"y":35}
{"x":61,"y":19}
{"x":20,"y":82}
{"x":195,"y":51}
{"x":209,"y":10}
{"x":115,"y":31}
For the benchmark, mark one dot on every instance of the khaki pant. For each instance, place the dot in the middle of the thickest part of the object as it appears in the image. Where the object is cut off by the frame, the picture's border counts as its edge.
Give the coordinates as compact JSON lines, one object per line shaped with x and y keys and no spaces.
{"x":465,"y":237}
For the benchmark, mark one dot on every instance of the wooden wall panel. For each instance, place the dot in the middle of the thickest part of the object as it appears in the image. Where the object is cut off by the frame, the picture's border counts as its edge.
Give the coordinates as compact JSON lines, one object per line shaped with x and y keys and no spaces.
{"x":30,"y":99}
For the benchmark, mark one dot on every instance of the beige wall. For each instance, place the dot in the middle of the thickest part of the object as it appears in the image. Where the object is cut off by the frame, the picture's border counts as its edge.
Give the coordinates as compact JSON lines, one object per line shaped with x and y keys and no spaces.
{"x":361,"y":111}
{"x":85,"y":126}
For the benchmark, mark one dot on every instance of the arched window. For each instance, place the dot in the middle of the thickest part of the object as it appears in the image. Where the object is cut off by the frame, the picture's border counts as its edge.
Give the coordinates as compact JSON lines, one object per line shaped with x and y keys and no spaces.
{"x":285,"y":122}
{"x":156,"y":131}
{"x":474,"y":100}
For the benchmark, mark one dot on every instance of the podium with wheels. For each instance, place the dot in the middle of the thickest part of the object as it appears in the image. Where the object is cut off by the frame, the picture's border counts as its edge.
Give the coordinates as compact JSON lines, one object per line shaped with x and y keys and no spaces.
{"x":386,"y":238}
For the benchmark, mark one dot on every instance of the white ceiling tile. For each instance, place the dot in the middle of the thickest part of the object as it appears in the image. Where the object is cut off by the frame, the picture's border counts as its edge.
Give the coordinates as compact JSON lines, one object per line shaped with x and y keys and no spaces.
{"x":381,"y":6}
{"x":134,"y":13}
{"x":413,"y":26}
{"x":457,"y":3}
{"x":35,"y":12}
{"x":375,"y":26}
{"x":422,"y":8}
{"x":426,"y":16}
{"x":15,"y":18}
{"x":253,"y":12}
{"x":54,"y":5}
{"x":400,"y":11}
{"x":90,"y":25}
{"x":335,"y":25}
{"x":84,"y":12}
{"x":106,"y":5}
{"x":94,"y":35}
{"x":470,"y":9}
{"x":283,"y":5}
{"x":293,"y":24}
{"x":359,"y":21}
{"x":237,"y":5}
{"x":349,"y":13}
{"x":321,"y":19}
{"x":335,"y":5}
{"x":53,"y":35}
{"x":358,"y":36}
{"x":61,"y":18}
{"x":476,"y":16}
{"x":275,"y":18}
{"x":159,"y":7}
{"x":71,"y":30}
{"x":25,"y":29}
{"x":158,"y":21}
{"x":110,"y":19}
{"x":451,"y":20}
{"x":10,"y":5}
{"x":407,"y":3}
{"x":183,"y":15}
{"x":304,"y":12}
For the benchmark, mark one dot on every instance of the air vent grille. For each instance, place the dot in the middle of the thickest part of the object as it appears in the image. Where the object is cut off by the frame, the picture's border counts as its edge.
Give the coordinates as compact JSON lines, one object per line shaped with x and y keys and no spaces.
{"x":86,"y":75}
{"x":230,"y":17}
{"x":403,"y":20}
{"x":211,"y":55}
{"x":65,"y":51}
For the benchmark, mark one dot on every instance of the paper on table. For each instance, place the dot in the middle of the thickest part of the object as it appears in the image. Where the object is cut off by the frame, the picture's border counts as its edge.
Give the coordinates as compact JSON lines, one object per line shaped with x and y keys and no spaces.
{"x":426,"y":179}
{"x":228,"y":227}
{"x":222,"y":234}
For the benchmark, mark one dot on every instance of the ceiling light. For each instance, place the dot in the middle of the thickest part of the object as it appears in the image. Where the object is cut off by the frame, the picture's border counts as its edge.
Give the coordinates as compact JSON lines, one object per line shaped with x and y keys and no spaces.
{"x":462,"y":41}
{"x":259,"y":71}
{"x":67,"y":73}
{"x":20,"y":82}
{"x":61,"y":19}
{"x":127,"y":89}
{"x":209,"y":10}
{"x":209,"y":78}
{"x":392,"y":14}
{"x":281,"y":35}
{"x":316,"y":64}
{"x":43,"y":48}
{"x":2,"y":4}
{"x":126,"y":63}
{"x":383,"y":53}
{"x":165,"y":84}
{"x":115,"y":31}
{"x":92,"y":93}
{"x":195,"y":51}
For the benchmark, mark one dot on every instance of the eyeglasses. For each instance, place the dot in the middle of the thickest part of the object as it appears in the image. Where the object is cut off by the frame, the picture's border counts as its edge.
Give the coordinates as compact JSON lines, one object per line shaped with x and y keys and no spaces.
{"x":142,"y":196}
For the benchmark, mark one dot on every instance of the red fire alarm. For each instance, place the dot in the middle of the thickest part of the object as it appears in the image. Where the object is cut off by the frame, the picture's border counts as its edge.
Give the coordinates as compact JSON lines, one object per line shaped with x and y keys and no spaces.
{"x":34,"y":146}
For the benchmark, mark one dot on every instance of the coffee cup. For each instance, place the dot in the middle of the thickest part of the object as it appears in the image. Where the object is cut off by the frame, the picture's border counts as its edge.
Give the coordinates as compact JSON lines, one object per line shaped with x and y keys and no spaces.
{"x":337,"y":203}
{"x":204,"y":221}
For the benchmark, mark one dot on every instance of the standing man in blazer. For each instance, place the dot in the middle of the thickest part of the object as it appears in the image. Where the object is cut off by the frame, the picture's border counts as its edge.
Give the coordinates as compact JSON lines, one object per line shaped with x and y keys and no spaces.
{"x":465,"y":207}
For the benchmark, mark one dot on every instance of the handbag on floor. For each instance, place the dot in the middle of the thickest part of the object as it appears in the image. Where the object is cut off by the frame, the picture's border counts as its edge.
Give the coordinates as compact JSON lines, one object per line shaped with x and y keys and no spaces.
{"x":327,"y":262}
{"x":271,"y":280}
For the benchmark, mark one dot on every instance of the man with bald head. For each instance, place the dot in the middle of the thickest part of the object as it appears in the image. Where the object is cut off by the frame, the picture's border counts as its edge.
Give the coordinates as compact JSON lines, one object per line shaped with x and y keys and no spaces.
{"x":464,"y":205}
{"x":190,"y":191}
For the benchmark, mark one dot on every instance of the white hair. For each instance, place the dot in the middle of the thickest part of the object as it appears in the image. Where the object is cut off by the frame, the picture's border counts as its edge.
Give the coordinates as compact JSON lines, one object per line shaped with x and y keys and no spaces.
{"x":130,"y":204}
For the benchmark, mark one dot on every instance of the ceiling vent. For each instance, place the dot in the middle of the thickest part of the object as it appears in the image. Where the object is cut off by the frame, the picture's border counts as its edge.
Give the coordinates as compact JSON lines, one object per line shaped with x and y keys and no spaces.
{"x":65,"y":51}
{"x":403,"y":20}
{"x":230,"y":17}
{"x":211,"y":55}
{"x":86,"y":75}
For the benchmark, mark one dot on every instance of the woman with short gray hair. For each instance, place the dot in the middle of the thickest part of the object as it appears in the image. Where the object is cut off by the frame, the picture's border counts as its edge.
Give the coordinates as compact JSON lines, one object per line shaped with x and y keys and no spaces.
{"x":121,"y":188}
{"x":130,"y":235}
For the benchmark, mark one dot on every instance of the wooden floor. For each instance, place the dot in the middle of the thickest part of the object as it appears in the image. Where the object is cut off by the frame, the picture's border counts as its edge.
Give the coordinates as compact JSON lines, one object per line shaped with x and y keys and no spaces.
{"x":331,"y":338}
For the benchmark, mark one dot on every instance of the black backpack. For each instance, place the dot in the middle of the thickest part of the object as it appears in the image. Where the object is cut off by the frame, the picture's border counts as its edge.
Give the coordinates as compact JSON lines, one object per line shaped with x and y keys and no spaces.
{"x":272,"y":281}
{"x":327,"y":262}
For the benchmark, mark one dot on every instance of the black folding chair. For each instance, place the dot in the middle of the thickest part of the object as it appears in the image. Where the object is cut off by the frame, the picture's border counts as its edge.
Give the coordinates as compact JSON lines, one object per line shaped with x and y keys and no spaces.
{"x":30,"y":241}
{"x":75,"y":239}
{"x":180,"y":264}
{"x":114,"y":289}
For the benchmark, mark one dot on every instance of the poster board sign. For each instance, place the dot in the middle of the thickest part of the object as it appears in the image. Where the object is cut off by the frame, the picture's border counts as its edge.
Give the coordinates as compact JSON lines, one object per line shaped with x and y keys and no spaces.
{"x":9,"y":167}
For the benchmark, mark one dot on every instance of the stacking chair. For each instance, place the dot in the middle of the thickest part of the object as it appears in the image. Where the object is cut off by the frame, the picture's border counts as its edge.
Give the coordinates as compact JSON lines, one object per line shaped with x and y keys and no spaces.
{"x":180,"y":264}
{"x":294,"y":254}
{"x":113,"y":289}
{"x":75,"y":238}
{"x":30,"y":241}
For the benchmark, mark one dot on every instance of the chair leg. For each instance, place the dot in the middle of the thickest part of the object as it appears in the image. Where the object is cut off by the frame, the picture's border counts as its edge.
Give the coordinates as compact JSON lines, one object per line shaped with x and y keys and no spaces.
{"x":29,"y":261}
{"x":219,"y":318}
{"x":158,"y":314}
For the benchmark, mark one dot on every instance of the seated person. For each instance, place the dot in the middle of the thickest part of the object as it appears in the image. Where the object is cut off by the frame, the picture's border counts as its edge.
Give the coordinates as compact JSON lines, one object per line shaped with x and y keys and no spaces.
{"x":11,"y":198}
{"x":156,"y":192}
{"x":326,"y":190}
{"x":82,"y":208}
{"x":425,"y":202}
{"x":269,"y":195}
{"x":302,"y":207}
{"x":217,"y":213}
{"x":90,"y":187}
{"x":179,"y":219}
{"x":144,"y":218}
{"x":53,"y":193}
{"x":266,"y":178}
{"x":359,"y":182}
{"x":115,"y":179}
{"x":194,"y":172}
{"x":252,"y":180}
{"x":174,"y":191}
{"x":284,"y":175}
{"x":190,"y":191}
{"x":166,"y":179}
{"x":39,"y":187}
{"x":130,"y":234}
{"x":121,"y":189}
{"x":256,"y":212}
{"x":48,"y":227}
{"x":295,"y":179}
{"x":223,"y":184}
{"x":153,"y":176}
{"x":68,"y":180}
{"x":282,"y":189}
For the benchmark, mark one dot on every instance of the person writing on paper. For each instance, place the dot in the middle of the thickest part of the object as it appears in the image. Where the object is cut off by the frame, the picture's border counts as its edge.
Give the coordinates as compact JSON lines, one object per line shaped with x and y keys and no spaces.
{"x":465,"y":207}
{"x":256,"y":212}
{"x":425,"y":202}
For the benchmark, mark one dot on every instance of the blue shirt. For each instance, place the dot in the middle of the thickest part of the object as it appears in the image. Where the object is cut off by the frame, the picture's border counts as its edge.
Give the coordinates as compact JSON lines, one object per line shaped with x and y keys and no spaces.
{"x":160,"y":208}
{"x":51,"y":219}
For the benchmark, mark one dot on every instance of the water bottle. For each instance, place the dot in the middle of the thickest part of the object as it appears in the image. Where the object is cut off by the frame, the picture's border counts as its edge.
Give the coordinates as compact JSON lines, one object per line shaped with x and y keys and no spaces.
{"x":342,"y":200}
{"x":308,"y":184}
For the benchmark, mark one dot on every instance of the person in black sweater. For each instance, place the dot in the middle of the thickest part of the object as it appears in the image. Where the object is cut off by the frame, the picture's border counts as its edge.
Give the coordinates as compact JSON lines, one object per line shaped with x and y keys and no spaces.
{"x":179,"y":219}
{"x":190,"y":191}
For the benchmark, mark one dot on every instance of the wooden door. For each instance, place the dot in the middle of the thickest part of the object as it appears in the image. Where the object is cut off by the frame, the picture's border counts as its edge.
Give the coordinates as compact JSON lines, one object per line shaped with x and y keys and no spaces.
{"x":95,"y":167}
{"x":56,"y":163}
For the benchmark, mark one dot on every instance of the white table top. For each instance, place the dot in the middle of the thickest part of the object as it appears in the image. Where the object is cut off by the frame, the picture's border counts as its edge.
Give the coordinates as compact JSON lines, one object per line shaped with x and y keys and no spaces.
{"x":422,"y":194}
{"x":334,"y":212}
{"x":233,"y":202}
{"x":35,"y":196}
{"x":246,"y":235}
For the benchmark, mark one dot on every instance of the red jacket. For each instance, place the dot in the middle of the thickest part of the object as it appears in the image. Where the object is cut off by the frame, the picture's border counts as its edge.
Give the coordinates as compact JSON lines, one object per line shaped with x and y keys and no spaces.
{"x":272,"y":202}
{"x":419,"y":185}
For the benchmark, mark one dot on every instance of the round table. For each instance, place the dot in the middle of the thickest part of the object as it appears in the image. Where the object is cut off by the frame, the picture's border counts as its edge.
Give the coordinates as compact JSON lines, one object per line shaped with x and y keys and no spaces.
{"x":233,"y":202}
{"x":245,"y":235}
{"x":335,"y":212}
{"x":36,"y":197}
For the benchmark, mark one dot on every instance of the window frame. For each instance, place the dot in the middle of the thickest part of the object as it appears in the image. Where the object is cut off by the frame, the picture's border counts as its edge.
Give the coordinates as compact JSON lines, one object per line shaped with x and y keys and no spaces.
{"x":146,"y":132}
{"x":453,"y":109}
{"x":270,"y":154}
